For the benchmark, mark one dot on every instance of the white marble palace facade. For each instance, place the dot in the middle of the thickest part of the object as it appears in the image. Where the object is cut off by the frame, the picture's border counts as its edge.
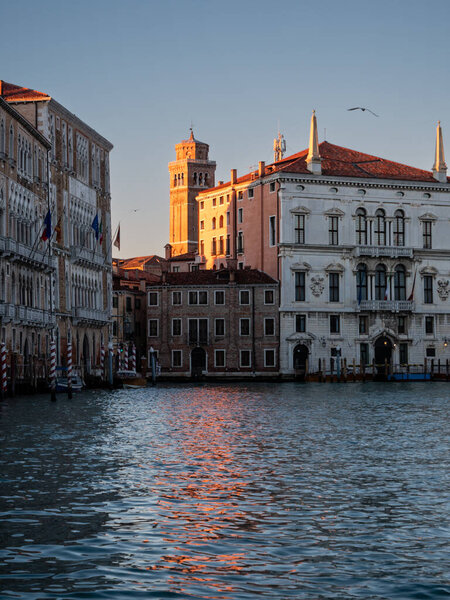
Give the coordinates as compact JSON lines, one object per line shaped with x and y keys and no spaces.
{"x":364,"y":250}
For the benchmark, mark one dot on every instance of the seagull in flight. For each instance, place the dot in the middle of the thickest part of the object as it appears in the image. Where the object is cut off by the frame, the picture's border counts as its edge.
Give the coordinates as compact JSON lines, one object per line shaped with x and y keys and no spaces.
{"x":363,"y":109}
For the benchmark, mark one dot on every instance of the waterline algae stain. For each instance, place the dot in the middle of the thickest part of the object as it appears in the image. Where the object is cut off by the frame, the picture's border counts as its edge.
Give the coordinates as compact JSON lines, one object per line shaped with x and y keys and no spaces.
{"x":226,"y":492}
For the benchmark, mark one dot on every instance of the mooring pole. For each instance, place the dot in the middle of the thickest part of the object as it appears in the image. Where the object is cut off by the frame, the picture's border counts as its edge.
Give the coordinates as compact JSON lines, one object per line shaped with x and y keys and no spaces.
{"x":102,"y":362}
{"x":4,"y":373}
{"x":69,"y":370}
{"x":52,"y":370}
{"x":153,"y":363}
{"x":110,"y":364}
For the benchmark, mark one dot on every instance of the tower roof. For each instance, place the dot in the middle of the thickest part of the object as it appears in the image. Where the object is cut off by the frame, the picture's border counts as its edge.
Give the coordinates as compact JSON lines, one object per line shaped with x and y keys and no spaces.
{"x":192,"y":140}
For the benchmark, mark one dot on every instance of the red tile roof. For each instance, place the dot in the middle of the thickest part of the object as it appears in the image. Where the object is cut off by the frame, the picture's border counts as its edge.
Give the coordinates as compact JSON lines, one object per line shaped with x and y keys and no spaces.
{"x":338,"y":161}
{"x":139,"y":261}
{"x":219,"y":277}
{"x":17,"y":93}
{"x":187,"y":256}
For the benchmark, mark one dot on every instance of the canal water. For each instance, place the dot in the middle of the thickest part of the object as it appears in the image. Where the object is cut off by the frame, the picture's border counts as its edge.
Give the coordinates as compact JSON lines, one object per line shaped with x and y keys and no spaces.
{"x":313,"y":491}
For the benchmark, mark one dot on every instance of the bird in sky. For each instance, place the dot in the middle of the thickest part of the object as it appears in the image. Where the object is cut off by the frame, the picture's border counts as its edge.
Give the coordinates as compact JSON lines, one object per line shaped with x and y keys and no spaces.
{"x":363,"y":109}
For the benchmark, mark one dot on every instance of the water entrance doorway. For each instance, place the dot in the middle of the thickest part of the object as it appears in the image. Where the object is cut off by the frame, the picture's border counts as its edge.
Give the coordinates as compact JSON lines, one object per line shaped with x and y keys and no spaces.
{"x":301,"y":353}
{"x":383,"y":354}
{"x":198,"y":362}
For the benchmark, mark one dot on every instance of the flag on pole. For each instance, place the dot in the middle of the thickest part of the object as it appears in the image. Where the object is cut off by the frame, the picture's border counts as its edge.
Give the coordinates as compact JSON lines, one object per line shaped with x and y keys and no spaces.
{"x":95,"y":227}
{"x":47,"y":233}
{"x":117,"y":240}
{"x":100,"y":233}
{"x":411,"y":296}
{"x":387,"y":292}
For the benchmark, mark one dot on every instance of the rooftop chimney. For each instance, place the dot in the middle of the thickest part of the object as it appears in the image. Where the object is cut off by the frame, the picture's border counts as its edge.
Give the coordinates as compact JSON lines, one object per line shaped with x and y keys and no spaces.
{"x":313,"y":160}
{"x":233,"y":176}
{"x":168,"y":249}
{"x":261,"y":168}
{"x":439,"y":167}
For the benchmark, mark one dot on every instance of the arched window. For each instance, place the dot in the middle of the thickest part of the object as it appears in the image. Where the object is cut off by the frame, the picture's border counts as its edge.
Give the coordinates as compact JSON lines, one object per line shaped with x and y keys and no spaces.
{"x":361,"y":226}
{"x":206,"y":179}
{"x":11,"y":141}
{"x":399,"y":228}
{"x":221,"y":221}
{"x":361,"y":282}
{"x":380,"y":227}
{"x":175,"y":180}
{"x":195,"y":178}
{"x":380,"y":282}
{"x":214,"y":223}
{"x":2,"y":136}
{"x":400,"y":283}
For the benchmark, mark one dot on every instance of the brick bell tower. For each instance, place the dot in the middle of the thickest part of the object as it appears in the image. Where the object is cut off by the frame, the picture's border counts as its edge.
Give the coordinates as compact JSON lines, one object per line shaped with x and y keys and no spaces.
{"x":190,"y":173}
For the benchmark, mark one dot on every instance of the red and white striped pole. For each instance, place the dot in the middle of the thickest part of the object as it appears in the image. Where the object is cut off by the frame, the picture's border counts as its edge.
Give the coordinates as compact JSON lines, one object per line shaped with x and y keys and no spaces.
{"x":133,"y":357}
{"x":102,"y":361}
{"x":4,"y":374}
{"x":53,"y":369}
{"x":125,"y":357}
{"x":69,"y":370}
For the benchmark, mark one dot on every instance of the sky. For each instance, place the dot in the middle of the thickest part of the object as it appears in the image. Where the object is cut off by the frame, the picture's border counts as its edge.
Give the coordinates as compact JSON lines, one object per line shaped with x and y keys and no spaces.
{"x":140,"y":72}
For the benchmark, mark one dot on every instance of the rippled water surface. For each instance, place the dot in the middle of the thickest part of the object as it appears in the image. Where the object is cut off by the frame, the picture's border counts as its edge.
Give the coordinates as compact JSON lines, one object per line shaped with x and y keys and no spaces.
{"x":227,"y":492}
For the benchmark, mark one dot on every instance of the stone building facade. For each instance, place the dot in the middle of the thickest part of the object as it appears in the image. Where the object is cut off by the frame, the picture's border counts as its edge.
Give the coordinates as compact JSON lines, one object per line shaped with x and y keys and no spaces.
{"x":219,"y":323}
{"x":27,"y":268}
{"x":79,"y":192}
{"x":358,"y":243}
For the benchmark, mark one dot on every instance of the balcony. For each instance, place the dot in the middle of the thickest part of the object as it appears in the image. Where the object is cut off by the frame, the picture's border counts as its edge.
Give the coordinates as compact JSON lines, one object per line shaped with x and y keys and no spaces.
{"x":34,"y":316}
{"x":25,"y":254}
{"x":387,"y":305}
{"x":82,"y":255}
{"x":90,"y":314}
{"x":7,"y":311}
{"x":388,"y":251}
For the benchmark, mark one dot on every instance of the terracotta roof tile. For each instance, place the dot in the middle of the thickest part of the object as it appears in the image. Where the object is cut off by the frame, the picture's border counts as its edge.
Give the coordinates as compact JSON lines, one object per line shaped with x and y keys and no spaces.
{"x":17,"y":93}
{"x":222,"y":276}
{"x":338,"y":161}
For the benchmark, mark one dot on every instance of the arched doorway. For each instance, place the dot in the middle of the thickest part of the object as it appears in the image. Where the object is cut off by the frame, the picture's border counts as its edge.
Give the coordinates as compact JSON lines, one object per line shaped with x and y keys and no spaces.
{"x":26,"y":360}
{"x":300,"y":357}
{"x":383,"y":353}
{"x":198,"y":362}
{"x":85,"y":360}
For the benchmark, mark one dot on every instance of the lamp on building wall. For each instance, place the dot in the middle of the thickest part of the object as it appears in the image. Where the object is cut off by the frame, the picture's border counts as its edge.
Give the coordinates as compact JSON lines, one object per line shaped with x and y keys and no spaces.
{"x":445,"y":342}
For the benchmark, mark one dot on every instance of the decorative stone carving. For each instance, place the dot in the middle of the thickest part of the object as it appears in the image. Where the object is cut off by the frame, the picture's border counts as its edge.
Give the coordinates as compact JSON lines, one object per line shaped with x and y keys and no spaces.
{"x":317,"y":286}
{"x":443,"y":288}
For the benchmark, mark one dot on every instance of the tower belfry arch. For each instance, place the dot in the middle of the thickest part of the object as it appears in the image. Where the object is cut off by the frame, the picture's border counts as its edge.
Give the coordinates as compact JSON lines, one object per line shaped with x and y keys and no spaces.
{"x":190,"y":173}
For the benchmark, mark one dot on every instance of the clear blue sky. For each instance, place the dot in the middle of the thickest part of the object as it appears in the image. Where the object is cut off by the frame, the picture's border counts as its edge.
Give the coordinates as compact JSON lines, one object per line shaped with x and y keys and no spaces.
{"x":140,"y":71}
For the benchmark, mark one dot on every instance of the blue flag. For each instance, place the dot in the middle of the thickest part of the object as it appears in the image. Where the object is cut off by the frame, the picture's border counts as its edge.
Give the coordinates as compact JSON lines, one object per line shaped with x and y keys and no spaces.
{"x":95,"y":227}
{"x":47,"y":233}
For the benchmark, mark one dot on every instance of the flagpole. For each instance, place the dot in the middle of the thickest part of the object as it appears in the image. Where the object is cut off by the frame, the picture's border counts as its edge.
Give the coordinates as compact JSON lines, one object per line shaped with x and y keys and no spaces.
{"x":111,"y":243}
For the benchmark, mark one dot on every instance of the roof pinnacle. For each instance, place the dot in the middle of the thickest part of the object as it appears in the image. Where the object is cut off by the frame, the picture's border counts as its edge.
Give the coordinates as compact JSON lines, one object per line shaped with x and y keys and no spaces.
{"x":313,"y":160}
{"x":439,"y":167}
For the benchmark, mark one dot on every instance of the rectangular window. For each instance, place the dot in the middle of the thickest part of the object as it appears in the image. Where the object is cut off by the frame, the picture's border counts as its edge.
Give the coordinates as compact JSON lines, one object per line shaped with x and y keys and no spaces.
{"x":362,"y":325}
{"x":176,"y":326}
{"x":333,"y":279}
{"x":193,"y":298}
{"x":137,"y":303}
{"x":431,"y":352}
{"x":428,"y":289}
{"x":364,"y":353}
{"x":176,"y":298}
{"x":244,"y":297}
{"x":153,"y":327}
{"x":228,"y":218}
{"x":198,"y":331}
{"x":219,"y":327}
{"x":426,"y":233}
{"x":300,"y":323}
{"x":194,"y":268}
{"x":203,"y":297}
{"x":177,"y":358}
{"x":251,"y":193}
{"x":244,"y":326}
{"x":245,"y":358}
{"x":403,"y":354}
{"x":219,"y":297}
{"x":335,"y":324}
{"x":429,"y":325}
{"x":269,"y":357}
{"x":128,"y":304}
{"x":240,"y":215}
{"x":202,"y":224}
{"x":333,"y":231}
{"x":240,"y":195}
{"x":202,"y":247}
{"x":214,"y":246}
{"x":175,"y":269}
{"x":269,"y":326}
{"x":221,"y":244}
{"x":272,"y":231}
{"x":269,"y":297}
{"x":299,"y":229}
{"x":228,"y":248}
{"x":219,"y":358}
{"x":202,"y":205}
{"x":401,"y":325}
{"x":198,"y":298}
{"x":214,"y":202}
{"x":115,"y":302}
{"x":221,"y":200}
{"x":153,"y":298}
{"x":240,"y":242}
{"x":272,"y":186}
{"x":300,"y":290}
